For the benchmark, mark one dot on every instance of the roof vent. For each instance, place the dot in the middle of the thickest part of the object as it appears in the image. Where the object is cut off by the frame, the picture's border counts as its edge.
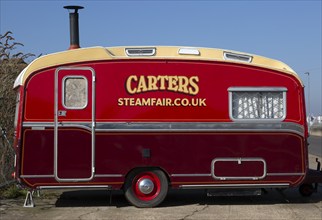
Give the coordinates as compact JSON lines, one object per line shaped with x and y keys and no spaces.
{"x":140,"y":51}
{"x":189,"y":51}
{"x":237,"y":57}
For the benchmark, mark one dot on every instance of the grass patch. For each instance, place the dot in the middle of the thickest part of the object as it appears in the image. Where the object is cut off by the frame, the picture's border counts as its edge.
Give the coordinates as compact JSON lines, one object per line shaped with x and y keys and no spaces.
{"x":12,"y":192}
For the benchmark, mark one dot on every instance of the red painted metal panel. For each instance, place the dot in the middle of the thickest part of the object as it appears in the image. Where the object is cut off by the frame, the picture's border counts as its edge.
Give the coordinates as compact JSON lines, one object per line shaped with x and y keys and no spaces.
{"x":176,"y":153}
{"x":39,"y":97}
{"x":74,"y":154}
{"x":37,"y":152}
{"x":214,"y":80}
{"x":193,"y":153}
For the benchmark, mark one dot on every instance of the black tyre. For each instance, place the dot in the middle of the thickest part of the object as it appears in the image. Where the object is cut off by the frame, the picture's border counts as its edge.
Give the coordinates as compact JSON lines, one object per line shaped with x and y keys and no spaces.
{"x":306,"y":190}
{"x":146,"y":188}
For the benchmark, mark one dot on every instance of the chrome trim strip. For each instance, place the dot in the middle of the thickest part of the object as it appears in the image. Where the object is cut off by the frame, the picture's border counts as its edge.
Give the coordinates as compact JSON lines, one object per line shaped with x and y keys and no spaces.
{"x":38,"y":124}
{"x":172,"y":175}
{"x":38,"y":128}
{"x":52,"y":176}
{"x":199,"y":127}
{"x":36,"y":176}
{"x":239,"y":161}
{"x":209,"y":174}
{"x":285,"y":174}
{"x":108,"y":175}
{"x":73,"y":187}
{"x":178,"y":126}
{"x":204,"y":186}
{"x":35,"y":125}
{"x":86,"y":126}
{"x":191,"y":175}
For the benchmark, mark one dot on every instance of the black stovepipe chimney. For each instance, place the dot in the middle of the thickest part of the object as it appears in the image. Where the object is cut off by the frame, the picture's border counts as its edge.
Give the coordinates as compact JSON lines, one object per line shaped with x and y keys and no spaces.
{"x":73,"y":26}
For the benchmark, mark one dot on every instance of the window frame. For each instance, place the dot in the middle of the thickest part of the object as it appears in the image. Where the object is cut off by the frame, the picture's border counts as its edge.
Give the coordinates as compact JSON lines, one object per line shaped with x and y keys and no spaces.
{"x":64,"y":89}
{"x":231,"y":90}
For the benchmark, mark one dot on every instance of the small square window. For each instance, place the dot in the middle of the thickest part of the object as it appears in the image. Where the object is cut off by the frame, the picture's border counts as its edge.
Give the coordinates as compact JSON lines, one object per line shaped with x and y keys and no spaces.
{"x":75,"y":92}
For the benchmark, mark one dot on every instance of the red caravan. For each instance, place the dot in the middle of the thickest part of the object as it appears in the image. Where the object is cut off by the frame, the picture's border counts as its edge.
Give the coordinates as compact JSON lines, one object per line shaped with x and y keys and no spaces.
{"x":147,"y":119}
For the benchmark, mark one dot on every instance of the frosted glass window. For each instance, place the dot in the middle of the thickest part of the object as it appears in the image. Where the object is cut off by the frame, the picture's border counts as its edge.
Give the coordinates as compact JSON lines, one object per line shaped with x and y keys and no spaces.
{"x":258,"y":105}
{"x":75,"y":92}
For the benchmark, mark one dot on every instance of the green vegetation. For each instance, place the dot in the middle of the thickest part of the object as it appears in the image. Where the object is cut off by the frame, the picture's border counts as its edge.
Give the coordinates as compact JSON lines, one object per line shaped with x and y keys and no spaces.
{"x":12,"y":192}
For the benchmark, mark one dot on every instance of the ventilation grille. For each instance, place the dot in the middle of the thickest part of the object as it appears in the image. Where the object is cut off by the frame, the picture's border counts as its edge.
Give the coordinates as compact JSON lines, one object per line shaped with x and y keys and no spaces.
{"x":140,"y":51}
{"x":237,"y":57}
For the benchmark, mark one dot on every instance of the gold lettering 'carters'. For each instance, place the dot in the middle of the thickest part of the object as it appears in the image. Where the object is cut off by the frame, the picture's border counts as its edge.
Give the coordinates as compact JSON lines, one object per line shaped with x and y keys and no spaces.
{"x":183,"y":84}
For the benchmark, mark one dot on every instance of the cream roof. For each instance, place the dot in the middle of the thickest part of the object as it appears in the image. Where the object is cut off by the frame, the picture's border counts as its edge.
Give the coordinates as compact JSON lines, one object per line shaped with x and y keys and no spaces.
{"x":162,"y":52}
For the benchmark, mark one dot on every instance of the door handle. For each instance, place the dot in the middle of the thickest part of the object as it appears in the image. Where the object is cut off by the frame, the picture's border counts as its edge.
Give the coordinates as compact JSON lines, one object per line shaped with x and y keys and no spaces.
{"x":62,"y":113}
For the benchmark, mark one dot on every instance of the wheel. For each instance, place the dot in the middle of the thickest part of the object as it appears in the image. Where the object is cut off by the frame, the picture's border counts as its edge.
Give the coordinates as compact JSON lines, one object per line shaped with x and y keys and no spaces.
{"x":146,"y":188}
{"x":306,"y":190}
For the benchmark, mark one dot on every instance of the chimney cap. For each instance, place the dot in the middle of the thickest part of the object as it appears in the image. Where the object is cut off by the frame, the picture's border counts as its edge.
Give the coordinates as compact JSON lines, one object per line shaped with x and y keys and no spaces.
{"x":75,"y":7}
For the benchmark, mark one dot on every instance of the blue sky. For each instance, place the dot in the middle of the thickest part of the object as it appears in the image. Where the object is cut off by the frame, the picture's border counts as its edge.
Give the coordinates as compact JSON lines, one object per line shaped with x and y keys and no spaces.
{"x":289,"y":31}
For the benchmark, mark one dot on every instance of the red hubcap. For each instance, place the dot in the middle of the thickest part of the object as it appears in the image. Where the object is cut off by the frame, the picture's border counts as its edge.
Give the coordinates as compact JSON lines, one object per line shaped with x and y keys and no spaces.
{"x":146,"y":186}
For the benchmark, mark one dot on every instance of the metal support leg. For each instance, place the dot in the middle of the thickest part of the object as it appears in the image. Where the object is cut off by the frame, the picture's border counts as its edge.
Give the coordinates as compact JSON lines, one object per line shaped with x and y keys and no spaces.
{"x":38,"y":192}
{"x":29,"y":202}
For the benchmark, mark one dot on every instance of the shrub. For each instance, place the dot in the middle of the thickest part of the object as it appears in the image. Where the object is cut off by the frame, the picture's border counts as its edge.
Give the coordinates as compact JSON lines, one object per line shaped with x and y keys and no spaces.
{"x":11,"y":64}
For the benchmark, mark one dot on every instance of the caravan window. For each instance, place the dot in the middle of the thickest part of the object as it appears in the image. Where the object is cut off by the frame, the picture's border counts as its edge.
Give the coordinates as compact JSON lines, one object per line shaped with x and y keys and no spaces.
{"x":257,"y":103}
{"x":75,"y":92}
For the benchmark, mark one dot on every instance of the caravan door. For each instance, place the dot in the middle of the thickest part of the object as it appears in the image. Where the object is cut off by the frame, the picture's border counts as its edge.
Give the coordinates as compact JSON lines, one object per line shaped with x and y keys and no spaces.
{"x":74,"y":147}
